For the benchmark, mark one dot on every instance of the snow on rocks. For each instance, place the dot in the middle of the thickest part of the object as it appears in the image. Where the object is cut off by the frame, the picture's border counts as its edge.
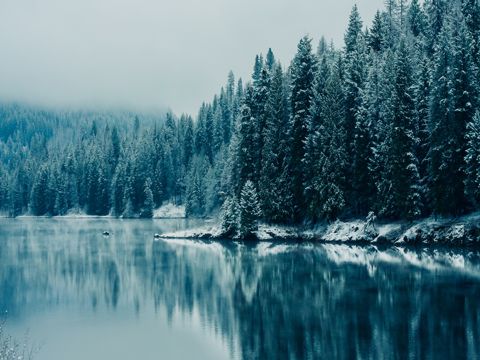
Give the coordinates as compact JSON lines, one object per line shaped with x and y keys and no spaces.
{"x":462,"y":231}
{"x":272,"y":232}
{"x":349,"y":232}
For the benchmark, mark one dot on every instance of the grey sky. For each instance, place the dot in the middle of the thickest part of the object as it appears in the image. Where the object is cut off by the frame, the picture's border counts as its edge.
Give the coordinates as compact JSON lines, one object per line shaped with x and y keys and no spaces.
{"x":151,"y":53}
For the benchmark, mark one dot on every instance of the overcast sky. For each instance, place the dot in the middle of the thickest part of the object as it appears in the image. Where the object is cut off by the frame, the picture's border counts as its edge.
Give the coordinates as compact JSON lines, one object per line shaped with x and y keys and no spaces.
{"x":149,"y":54}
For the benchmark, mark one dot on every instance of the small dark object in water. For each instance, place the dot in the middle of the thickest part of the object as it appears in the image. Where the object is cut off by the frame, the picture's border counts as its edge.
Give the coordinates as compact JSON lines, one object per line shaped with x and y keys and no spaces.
{"x":106,"y":233}
{"x":156,"y":236}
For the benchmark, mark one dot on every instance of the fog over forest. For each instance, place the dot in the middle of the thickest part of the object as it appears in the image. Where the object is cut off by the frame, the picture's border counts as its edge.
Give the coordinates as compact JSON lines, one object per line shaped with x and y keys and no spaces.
{"x":148,"y":54}
{"x":386,"y":124}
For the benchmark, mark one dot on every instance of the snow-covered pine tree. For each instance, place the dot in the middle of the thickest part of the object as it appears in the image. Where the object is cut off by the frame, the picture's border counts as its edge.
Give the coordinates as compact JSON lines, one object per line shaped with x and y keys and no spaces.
{"x":302,"y":73}
{"x":217,"y":130}
{"x":38,"y":198}
{"x":377,"y":33}
{"x":270,"y":60}
{"x":392,"y":22}
{"x":148,"y":204}
{"x":249,"y":211}
{"x":61,"y":195}
{"x":213,"y":183}
{"x":367,"y":119}
{"x":472,"y":159}
{"x":328,"y":195}
{"x":354,"y":73}
{"x":230,"y":217}
{"x":128,"y":209}
{"x":247,"y":146}
{"x":195,"y":197}
{"x":188,"y":143}
{"x":14,"y":201}
{"x":453,"y":103}
{"x":416,"y":20}
{"x":261,"y":90}
{"x":257,"y":69}
{"x":402,"y":198}
{"x":274,"y":150}
{"x":471,"y":15}
{"x":313,"y":145}
{"x":435,"y":11}
{"x":422,"y":92}
{"x":355,"y":76}
{"x":353,"y":31}
{"x":118,"y":189}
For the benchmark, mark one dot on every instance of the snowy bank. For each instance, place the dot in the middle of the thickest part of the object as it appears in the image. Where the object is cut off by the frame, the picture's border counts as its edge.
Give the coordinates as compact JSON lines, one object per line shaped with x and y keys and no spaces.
{"x":169,"y":211}
{"x":464,"y":231}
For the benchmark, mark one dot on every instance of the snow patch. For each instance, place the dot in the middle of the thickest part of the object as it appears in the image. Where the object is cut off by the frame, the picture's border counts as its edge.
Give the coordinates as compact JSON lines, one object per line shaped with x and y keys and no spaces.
{"x":169,"y":211}
{"x":348,"y":231}
{"x":271,"y":232}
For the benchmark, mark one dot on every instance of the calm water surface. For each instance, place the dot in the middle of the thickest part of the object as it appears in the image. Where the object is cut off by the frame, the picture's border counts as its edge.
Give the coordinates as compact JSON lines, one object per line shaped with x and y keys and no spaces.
{"x":126,"y":296}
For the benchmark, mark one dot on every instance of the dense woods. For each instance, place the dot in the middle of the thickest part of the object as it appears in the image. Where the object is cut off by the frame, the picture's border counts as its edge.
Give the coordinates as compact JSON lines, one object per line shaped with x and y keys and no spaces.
{"x":387,"y":124}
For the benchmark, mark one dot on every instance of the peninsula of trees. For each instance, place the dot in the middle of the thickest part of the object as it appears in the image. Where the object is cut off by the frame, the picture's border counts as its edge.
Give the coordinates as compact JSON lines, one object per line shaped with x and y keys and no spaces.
{"x":387,"y":124}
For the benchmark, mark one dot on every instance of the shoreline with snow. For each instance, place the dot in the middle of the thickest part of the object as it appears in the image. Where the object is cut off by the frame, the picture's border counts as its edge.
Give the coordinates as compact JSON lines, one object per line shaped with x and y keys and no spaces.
{"x":166,"y":211}
{"x":463,"y":231}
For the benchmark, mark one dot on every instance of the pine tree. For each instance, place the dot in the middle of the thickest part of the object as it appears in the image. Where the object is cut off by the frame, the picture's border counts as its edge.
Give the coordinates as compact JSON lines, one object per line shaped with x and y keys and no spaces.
{"x":61,"y":196}
{"x":188,"y":142}
{"x":270,"y":61}
{"x":392,"y":21}
{"x":118,"y":190}
{"x":366,"y":118}
{"x":328,"y":198}
{"x":471,"y":15}
{"x":313,"y":145}
{"x":422,"y":92}
{"x":230,"y":217}
{"x":302,"y":71}
{"x":148,"y":205}
{"x":436,"y":11}
{"x":19,"y":196}
{"x":257,"y":69}
{"x":355,"y":76}
{"x":453,"y":102}
{"x":195,"y":197}
{"x":472,"y":159}
{"x":128,"y":211}
{"x":38,"y":199}
{"x":249,"y":211}
{"x":115,"y":143}
{"x":416,"y":18}
{"x":353,"y":31}
{"x":402,"y":198}
{"x":274,"y":151}
{"x":247,"y":146}
{"x":259,"y":101}
{"x":376,"y":36}
{"x":371,"y":133}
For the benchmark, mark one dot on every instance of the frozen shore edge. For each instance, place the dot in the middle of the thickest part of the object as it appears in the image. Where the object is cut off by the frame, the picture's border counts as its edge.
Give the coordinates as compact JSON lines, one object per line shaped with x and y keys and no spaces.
{"x":463,"y":231}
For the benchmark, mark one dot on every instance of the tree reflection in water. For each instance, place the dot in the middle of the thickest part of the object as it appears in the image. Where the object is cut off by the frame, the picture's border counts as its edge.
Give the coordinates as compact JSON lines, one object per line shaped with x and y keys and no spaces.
{"x":296,"y":301}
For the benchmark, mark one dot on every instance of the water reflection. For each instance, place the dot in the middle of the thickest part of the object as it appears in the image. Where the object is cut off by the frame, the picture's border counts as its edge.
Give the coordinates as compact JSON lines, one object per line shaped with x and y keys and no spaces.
{"x":287,"y":301}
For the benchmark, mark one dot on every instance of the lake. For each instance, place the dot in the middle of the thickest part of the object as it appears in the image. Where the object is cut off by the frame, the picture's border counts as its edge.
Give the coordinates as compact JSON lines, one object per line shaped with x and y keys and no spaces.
{"x":82,"y":295}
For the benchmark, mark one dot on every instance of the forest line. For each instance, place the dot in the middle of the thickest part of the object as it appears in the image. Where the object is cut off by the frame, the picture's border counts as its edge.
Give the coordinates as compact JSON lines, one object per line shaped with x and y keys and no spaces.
{"x":387,"y":124}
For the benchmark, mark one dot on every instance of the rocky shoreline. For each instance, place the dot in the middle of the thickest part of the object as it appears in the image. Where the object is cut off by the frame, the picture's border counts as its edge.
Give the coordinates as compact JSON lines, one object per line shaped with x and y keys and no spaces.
{"x":463,"y":231}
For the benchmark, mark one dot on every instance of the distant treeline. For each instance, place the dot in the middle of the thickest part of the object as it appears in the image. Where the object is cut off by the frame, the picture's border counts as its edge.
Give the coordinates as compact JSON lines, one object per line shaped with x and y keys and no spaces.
{"x":387,"y":124}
